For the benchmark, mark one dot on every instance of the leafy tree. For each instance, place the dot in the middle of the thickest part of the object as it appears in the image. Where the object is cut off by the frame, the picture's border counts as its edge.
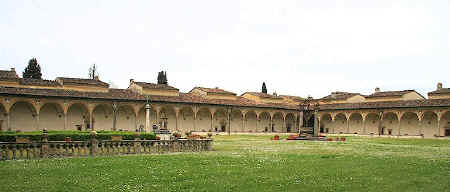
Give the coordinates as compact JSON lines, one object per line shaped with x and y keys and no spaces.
{"x":264,"y":89}
{"x":33,"y":70}
{"x":93,"y":71}
{"x":162,"y":78}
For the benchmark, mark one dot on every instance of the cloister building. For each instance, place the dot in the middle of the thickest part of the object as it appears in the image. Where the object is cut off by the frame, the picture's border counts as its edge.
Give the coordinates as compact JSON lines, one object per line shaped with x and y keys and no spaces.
{"x":89,"y":104}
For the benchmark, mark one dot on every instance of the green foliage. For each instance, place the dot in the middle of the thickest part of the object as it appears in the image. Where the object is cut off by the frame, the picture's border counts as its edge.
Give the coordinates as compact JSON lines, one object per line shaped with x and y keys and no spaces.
{"x":93,"y":71}
{"x":249,"y":163}
{"x":162,"y":78}
{"x":264,"y":89}
{"x":74,"y":135}
{"x":33,"y":70}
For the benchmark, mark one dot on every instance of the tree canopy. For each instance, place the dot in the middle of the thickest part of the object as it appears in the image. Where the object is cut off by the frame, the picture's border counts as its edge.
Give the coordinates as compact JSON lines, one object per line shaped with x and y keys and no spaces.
{"x":33,"y":70}
{"x":93,"y":71}
{"x":264,"y":89}
{"x":162,"y":78}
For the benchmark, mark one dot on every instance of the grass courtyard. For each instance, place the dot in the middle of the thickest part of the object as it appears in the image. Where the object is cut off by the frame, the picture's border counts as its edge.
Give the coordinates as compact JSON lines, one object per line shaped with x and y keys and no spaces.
{"x":249,"y":163}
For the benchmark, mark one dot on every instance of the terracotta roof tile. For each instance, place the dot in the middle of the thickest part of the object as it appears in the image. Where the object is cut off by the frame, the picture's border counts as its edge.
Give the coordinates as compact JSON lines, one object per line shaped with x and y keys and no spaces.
{"x":80,"y":81}
{"x":38,"y":82}
{"x":215,"y":90}
{"x":390,"y":93}
{"x":339,"y":96}
{"x":264,"y":95}
{"x":155,"y":86}
{"x":8,"y":74}
{"x":125,"y":94}
{"x":440,"y":91}
{"x":388,"y":104}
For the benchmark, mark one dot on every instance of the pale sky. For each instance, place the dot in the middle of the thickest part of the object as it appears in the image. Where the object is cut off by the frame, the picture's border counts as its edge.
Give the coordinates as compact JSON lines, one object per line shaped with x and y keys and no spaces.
{"x":297,"y":47}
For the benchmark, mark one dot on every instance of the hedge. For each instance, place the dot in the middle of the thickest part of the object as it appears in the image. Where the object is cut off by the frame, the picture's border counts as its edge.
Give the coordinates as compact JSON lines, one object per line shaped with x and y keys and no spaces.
{"x":8,"y":136}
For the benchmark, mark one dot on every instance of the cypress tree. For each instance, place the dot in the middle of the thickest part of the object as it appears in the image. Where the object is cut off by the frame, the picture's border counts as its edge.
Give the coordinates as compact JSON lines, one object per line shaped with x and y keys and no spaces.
{"x":264,"y":89}
{"x":33,"y":70}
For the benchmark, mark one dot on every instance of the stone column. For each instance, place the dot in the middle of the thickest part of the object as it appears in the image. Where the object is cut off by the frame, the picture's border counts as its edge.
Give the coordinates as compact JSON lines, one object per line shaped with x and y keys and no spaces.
{"x":147,"y":117}
{"x":380,"y":122}
{"x":212,"y":122}
{"x":65,"y":121}
{"x":8,"y":122}
{"x":316,"y":123}
{"x":37,"y":121}
{"x":229,"y":120}
{"x":243,"y":124}
{"x":135,"y":121}
{"x":300,"y":122}
{"x":399,"y":126}
{"x":284,"y":127}
{"x":91,"y":121}
{"x":195,"y":122}
{"x":115,"y":111}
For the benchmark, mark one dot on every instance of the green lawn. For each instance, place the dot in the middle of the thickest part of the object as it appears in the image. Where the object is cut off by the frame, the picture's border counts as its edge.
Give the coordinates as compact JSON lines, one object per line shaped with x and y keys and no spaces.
{"x":249,"y":163}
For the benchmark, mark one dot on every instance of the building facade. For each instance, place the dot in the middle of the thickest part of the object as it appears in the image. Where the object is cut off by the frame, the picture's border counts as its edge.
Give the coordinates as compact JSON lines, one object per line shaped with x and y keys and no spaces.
{"x":89,"y":104}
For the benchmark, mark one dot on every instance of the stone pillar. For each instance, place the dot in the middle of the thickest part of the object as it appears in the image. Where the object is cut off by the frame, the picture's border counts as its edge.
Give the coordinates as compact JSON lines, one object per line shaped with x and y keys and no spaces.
{"x":399,"y":126}
{"x":147,"y":117}
{"x":212,"y":122}
{"x":348,"y":124}
{"x":37,"y":121}
{"x":195,"y":122}
{"x":439,"y":126}
{"x":65,"y":121}
{"x":300,"y":122}
{"x":91,"y":121}
{"x":176,"y":119}
{"x":380,"y":122}
{"x":229,"y":120}
{"x":8,"y":122}
{"x":243,"y":124}
{"x":115,"y":110}
{"x":316,"y":123}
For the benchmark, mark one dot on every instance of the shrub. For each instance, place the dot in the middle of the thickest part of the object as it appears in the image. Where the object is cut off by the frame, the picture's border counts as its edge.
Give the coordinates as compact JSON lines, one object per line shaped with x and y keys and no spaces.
{"x":74,"y":135}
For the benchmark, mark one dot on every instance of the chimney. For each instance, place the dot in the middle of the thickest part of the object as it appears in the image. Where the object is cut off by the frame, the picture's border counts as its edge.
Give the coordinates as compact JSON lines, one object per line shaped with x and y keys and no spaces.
{"x":216,"y":87}
{"x":13,"y":69}
{"x":377,"y":89}
{"x":439,"y":86}
{"x":131,"y":81}
{"x":96,"y":78}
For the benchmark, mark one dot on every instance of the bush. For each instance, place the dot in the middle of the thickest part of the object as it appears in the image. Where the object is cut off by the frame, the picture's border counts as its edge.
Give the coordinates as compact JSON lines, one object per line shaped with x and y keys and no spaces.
{"x":74,"y":135}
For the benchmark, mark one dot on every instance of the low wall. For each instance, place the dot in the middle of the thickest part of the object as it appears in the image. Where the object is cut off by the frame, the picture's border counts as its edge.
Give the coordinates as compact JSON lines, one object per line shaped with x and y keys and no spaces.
{"x":94,"y":147}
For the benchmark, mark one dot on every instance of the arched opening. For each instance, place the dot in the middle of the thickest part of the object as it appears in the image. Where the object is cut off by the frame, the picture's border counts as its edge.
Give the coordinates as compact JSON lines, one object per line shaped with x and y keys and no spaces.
{"x":141,"y":119}
{"x":236,"y":121}
{"x":308,"y":119}
{"x":220,"y":120}
{"x":51,"y":117}
{"x":429,"y":124}
{"x":409,"y":124}
{"x":264,"y":122}
{"x":340,"y":123}
{"x":326,"y":123}
{"x":167,"y":118}
{"x":186,"y":119}
{"x":251,"y":121}
{"x":3,"y":118}
{"x":355,"y":123}
{"x":102,"y":117}
{"x":126,"y":118}
{"x":23,"y":117}
{"x":78,"y":117}
{"x":290,"y":123}
{"x":278,"y":122}
{"x":390,"y":124}
{"x":204,"y":119}
{"x":445,"y":124}
{"x":371,"y":123}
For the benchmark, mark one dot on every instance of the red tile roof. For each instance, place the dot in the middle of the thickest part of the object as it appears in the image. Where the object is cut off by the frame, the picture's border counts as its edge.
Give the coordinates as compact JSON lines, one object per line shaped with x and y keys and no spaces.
{"x":128,"y":95}
{"x":440,"y":91}
{"x":8,"y":74}
{"x":389,"y":93}
{"x":264,"y":95}
{"x":80,"y":81}
{"x":339,"y":96}
{"x":215,"y":90}
{"x":155,"y":86}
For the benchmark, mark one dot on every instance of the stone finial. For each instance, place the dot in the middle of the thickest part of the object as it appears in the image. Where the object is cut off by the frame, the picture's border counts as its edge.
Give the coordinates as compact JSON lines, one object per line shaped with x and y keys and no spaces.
{"x":96,"y":77}
{"x":13,"y":69}
{"x":377,"y":89}
{"x":439,"y":86}
{"x":131,"y":81}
